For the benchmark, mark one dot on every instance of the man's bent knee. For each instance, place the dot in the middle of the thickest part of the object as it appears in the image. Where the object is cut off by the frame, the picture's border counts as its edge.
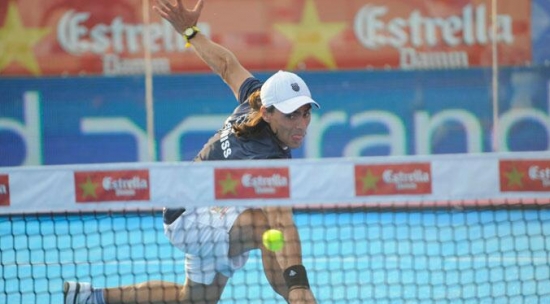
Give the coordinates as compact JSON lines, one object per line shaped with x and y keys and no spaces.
{"x":197,"y":293}
{"x":246,"y":233}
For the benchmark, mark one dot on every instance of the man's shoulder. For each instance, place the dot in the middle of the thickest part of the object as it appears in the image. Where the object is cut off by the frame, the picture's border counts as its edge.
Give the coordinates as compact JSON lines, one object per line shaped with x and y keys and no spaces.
{"x":258,"y":147}
{"x":249,"y":86}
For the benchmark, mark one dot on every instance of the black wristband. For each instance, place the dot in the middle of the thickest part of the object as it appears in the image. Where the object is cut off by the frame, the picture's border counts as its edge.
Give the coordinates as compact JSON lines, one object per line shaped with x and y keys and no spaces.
{"x":296,"y":277}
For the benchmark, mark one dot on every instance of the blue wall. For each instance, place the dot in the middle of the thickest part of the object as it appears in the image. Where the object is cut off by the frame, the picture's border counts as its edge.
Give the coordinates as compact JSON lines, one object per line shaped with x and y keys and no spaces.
{"x":363,"y":113}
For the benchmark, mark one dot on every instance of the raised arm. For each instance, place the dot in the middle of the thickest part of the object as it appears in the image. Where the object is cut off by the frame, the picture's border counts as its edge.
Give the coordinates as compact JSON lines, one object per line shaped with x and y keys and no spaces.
{"x":221,"y":60}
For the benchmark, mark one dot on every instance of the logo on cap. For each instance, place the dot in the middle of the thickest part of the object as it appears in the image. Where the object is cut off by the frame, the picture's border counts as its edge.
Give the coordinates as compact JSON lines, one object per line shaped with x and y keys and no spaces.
{"x":295,"y":87}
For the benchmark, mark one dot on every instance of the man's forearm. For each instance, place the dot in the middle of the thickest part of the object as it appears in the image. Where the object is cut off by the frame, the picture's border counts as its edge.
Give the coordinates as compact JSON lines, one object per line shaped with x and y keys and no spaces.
{"x":221,"y":60}
{"x":217,"y":57}
{"x":282,"y":219}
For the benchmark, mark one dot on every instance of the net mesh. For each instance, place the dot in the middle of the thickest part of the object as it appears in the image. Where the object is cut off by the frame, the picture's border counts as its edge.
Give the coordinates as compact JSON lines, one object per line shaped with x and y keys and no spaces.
{"x":478,"y":254}
{"x":479,"y":251}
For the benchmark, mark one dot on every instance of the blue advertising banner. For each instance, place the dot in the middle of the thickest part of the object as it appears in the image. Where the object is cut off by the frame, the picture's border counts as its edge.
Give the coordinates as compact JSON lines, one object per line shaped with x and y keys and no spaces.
{"x":363,"y":113}
{"x":540,"y":31}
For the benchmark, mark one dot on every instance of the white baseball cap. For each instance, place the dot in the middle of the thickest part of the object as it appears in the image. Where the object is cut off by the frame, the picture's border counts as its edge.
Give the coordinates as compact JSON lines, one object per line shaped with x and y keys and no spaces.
{"x":286,"y":91}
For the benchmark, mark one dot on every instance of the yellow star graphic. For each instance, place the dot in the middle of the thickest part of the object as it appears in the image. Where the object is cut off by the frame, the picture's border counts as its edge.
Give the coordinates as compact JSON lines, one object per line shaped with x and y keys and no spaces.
{"x":17,"y":42}
{"x":229,"y":185}
{"x":310,"y":37}
{"x":369,"y":181}
{"x":514,"y":178}
{"x":88,"y":188}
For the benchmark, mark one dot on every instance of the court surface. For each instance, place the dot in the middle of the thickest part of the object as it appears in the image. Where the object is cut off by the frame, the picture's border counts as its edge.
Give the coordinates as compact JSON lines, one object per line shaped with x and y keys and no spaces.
{"x":427,"y":256}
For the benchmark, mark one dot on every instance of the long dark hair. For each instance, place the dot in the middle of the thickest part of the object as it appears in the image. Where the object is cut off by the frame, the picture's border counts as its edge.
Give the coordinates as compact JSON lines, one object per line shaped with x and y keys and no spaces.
{"x":254,"y":123}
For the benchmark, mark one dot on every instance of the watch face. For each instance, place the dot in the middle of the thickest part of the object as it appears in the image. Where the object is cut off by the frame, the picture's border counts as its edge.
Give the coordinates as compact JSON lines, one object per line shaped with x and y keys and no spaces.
{"x":189,"y":31}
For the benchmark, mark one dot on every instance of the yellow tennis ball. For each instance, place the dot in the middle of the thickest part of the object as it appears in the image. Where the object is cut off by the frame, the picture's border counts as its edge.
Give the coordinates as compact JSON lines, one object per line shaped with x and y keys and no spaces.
{"x":273,"y":239}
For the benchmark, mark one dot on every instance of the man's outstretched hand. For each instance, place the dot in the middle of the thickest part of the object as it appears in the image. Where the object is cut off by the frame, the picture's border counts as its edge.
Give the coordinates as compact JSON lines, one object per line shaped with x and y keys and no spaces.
{"x":180,"y":17}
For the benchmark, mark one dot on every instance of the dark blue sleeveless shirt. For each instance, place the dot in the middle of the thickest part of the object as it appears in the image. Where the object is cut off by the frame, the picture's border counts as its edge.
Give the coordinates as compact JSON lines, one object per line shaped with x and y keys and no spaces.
{"x":225,"y":145}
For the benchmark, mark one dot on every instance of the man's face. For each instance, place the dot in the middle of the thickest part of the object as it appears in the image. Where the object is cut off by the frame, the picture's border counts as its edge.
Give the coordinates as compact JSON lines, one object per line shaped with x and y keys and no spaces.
{"x":291,"y":128}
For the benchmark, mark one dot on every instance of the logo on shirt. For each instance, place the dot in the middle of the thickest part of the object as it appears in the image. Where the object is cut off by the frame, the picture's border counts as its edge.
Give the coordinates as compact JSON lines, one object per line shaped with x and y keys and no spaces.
{"x":524,"y":175}
{"x":393,"y":179}
{"x":104,"y":186}
{"x":238,"y":183}
{"x":4,"y":190}
{"x":225,"y":144}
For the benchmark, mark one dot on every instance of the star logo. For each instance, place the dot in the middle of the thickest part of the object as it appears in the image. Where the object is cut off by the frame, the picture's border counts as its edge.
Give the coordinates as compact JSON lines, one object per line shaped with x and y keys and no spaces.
{"x":17,"y":42}
{"x":89,"y":188}
{"x":229,"y":185}
{"x":514,"y":178}
{"x":369,"y":181}
{"x":310,"y":37}
{"x":112,"y":186}
{"x":4,"y":190}
{"x":251,"y":183}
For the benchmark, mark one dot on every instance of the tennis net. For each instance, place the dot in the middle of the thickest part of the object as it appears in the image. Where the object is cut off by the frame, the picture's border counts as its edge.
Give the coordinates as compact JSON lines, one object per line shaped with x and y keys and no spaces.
{"x":415,"y":235}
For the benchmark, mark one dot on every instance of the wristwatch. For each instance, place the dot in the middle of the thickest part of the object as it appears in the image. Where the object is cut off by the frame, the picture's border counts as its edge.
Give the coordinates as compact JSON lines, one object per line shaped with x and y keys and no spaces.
{"x":189,"y":33}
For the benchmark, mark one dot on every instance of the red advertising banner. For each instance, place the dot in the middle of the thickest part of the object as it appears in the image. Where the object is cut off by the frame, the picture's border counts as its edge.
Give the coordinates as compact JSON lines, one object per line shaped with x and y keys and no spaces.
{"x":236,"y":183}
{"x":524,"y":175}
{"x":393,"y":179}
{"x":4,"y":190}
{"x":111,"y":186}
{"x":76,"y":37}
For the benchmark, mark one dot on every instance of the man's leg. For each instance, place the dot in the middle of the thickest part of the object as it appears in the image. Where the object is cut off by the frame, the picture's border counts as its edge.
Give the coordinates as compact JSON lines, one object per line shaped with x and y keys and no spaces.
{"x":166,"y":292}
{"x":149,"y":292}
{"x":245,"y":235}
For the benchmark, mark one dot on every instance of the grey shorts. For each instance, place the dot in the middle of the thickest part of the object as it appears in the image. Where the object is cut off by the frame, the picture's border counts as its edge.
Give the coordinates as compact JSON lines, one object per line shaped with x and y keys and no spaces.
{"x":203,"y":235}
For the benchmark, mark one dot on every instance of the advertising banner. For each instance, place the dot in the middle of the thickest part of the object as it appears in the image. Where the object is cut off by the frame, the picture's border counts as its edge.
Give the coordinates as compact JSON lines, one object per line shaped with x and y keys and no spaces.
{"x":100,"y":186}
{"x":483,"y":180}
{"x":102,"y":37}
{"x":58,"y":120}
{"x":540,"y":32}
